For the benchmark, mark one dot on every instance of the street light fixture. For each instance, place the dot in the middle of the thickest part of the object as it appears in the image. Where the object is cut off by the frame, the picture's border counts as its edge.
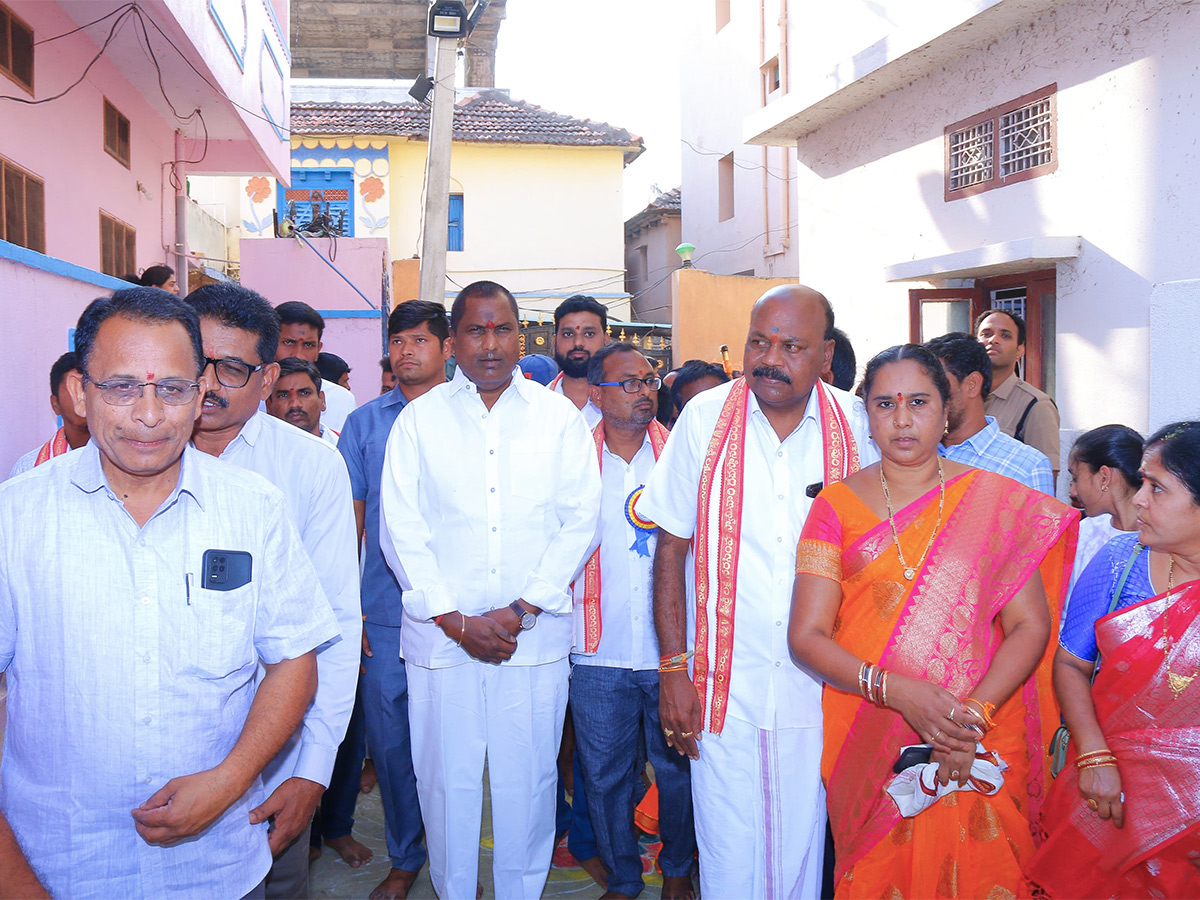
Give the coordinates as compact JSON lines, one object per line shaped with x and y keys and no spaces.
{"x":685,"y":251}
{"x":448,"y":19}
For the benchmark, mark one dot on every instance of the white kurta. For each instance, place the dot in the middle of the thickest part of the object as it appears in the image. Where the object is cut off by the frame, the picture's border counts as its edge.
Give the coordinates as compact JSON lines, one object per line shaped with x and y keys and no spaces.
{"x":479,"y":508}
{"x":768,"y":693}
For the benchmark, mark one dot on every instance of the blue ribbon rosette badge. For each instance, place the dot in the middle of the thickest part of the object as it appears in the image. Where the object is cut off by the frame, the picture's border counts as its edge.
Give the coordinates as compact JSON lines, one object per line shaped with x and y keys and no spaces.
{"x":642,"y":528}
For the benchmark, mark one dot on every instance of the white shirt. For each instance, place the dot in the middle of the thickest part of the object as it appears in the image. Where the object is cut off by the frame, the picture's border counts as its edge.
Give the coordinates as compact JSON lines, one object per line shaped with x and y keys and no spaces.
{"x":767,"y":689}
{"x":25,"y":463}
{"x":627,"y":638}
{"x":121,"y":678}
{"x":328,"y":435}
{"x":339,"y":403}
{"x":481,"y":507}
{"x":1094,"y":533}
{"x":590,"y":411}
{"x":313,"y":477}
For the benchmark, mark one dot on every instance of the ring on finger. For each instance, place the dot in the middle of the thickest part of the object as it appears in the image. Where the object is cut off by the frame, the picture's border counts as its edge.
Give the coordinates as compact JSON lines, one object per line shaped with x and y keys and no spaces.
{"x":686,"y":733}
{"x":668,"y":732}
{"x":1093,"y":805}
{"x":954,"y":775}
{"x":936,"y":736}
{"x":951,"y":716}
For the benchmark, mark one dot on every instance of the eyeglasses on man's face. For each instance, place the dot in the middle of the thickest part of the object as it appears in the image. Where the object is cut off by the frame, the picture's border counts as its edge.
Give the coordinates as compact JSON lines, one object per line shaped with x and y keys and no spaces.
{"x":232,"y":373}
{"x":127,"y":391}
{"x":633,"y":385}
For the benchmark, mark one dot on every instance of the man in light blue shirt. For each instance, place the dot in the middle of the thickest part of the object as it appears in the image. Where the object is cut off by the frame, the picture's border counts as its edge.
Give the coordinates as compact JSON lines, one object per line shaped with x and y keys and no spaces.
{"x":141,"y":583}
{"x":972,"y":437}
{"x":418,"y":347}
{"x":241,"y":332}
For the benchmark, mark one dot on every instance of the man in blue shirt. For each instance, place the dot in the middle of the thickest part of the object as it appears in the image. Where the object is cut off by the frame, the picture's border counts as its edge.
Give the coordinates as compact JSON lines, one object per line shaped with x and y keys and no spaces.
{"x":972,"y":437}
{"x":418,"y":347}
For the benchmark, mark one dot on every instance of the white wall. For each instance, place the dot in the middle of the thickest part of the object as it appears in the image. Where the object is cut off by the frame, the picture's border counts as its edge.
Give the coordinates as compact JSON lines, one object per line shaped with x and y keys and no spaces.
{"x":871,"y":190}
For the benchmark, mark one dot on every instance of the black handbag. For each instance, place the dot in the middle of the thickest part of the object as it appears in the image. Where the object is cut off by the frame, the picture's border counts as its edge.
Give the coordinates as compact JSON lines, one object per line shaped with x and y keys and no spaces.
{"x":1062,"y":737}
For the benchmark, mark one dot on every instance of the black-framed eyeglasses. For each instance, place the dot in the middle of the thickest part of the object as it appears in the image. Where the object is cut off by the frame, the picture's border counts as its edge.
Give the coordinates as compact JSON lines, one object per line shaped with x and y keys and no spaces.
{"x":127,"y":391}
{"x":233,"y":373}
{"x":633,"y":385}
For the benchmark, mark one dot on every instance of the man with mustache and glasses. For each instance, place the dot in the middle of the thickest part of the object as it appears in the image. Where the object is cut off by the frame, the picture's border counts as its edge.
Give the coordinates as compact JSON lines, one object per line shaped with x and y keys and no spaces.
{"x":489,"y":501}
{"x":240,"y":332}
{"x":580,"y":329}
{"x":750,"y":456}
{"x":614,"y":673}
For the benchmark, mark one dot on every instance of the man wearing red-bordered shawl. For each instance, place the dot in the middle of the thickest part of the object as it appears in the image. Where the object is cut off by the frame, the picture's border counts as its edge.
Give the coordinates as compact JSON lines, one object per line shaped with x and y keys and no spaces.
{"x":731,"y":490}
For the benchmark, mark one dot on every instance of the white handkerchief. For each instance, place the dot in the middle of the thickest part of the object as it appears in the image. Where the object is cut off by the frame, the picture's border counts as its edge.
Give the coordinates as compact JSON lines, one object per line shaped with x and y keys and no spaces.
{"x":917,"y":788}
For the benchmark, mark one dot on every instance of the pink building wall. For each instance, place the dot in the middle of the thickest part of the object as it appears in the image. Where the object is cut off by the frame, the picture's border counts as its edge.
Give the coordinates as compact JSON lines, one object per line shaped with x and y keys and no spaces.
{"x":285,"y":269}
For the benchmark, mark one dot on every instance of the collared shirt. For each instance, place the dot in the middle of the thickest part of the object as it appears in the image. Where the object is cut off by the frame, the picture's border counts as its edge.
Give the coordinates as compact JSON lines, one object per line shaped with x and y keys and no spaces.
{"x":25,"y":463}
{"x":339,"y":403}
{"x":767,"y":689}
{"x":627,"y":638}
{"x":481,"y":507}
{"x":312,"y":476}
{"x":328,"y":435}
{"x":590,"y":411}
{"x":1008,"y":401}
{"x":990,"y":448}
{"x":122,"y":678}
{"x":362,"y":444}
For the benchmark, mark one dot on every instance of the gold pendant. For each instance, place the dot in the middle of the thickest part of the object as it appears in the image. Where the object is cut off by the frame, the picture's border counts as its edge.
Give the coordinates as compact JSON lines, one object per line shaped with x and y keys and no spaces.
{"x":909,"y":573}
{"x":1179,"y":683}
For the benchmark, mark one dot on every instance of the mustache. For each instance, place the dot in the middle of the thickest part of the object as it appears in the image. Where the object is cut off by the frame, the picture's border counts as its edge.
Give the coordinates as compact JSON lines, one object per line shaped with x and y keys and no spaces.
{"x":772,"y":372}
{"x":214,"y":397}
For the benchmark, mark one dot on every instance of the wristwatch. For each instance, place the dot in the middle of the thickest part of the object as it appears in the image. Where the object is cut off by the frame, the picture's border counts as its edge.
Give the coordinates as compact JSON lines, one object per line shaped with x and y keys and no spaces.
{"x":528,"y":619}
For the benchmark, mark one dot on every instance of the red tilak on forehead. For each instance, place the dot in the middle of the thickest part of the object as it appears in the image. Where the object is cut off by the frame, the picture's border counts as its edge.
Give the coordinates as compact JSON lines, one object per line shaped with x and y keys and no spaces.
{"x":149,"y":376}
{"x":490,"y":325}
{"x":899,"y":397}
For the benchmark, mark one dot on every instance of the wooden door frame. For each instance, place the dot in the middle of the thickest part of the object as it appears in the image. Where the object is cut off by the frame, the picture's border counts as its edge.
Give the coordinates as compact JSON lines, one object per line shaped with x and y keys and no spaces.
{"x":1034,"y":283}
{"x":917,"y":296}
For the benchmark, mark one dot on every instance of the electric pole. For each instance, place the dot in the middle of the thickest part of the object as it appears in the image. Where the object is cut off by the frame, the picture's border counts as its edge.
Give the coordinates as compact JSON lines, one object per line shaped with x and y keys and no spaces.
{"x":437,"y":172}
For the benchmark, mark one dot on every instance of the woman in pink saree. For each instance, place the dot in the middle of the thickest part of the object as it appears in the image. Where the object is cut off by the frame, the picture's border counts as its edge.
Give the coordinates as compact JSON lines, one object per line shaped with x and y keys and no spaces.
{"x":1124,"y":814}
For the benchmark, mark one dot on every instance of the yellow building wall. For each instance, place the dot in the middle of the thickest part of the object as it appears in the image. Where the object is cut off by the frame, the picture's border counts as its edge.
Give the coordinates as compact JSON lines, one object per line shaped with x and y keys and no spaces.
{"x":710,"y":310}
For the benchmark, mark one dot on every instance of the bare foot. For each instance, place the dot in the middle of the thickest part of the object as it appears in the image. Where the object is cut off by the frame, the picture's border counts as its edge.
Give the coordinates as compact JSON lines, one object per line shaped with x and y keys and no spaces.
{"x":678,"y":887}
{"x":395,"y":887}
{"x":314,"y":853}
{"x":351,"y":851}
{"x":595,"y":868}
{"x":369,"y":779}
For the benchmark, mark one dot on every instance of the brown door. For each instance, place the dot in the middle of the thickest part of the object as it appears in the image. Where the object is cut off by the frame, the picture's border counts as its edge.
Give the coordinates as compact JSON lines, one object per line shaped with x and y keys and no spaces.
{"x":937,"y":311}
{"x":1030,"y":295}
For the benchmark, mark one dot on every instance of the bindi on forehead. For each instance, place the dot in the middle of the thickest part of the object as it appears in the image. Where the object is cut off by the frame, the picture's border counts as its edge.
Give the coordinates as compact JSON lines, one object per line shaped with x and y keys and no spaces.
{"x":149,"y":376}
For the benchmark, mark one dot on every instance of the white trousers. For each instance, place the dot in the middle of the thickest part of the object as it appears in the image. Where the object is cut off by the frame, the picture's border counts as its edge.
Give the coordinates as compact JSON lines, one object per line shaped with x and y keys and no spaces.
{"x":760,"y":813}
{"x":512,"y":716}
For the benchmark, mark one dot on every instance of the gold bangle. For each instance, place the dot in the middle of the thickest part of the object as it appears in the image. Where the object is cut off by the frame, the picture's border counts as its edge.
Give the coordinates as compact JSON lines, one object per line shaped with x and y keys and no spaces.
{"x":1097,"y":764}
{"x":1104,"y":752}
{"x":682,"y":668}
{"x":462,"y":627}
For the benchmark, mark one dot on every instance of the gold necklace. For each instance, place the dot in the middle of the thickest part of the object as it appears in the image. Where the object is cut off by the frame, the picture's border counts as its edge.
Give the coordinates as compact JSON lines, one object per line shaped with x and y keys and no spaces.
{"x":1178,"y":683}
{"x":911,"y":571}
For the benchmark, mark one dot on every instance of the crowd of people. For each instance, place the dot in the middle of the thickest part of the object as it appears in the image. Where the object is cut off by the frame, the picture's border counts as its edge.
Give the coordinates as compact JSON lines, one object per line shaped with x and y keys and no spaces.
{"x":823,"y":643}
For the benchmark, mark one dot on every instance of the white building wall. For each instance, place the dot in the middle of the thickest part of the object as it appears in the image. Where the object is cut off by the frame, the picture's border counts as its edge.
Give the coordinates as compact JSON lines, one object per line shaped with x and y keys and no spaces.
{"x":871,"y":190}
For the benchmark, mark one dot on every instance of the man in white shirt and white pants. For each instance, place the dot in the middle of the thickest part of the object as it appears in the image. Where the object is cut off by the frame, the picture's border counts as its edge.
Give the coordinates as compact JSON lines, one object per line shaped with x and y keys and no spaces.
{"x":753,"y":454}
{"x":489,"y":501}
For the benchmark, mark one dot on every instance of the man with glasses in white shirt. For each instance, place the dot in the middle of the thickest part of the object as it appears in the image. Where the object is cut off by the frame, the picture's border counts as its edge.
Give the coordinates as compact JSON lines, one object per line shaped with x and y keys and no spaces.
{"x":489,"y":501}
{"x":141,"y":583}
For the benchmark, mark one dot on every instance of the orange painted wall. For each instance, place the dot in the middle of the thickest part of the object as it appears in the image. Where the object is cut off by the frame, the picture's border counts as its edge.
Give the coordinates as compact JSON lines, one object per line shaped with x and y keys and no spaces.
{"x":709,"y":310}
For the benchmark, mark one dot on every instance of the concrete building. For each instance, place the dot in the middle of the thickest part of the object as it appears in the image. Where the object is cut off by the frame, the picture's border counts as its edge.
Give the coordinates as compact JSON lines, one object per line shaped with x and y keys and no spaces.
{"x":95,"y":160}
{"x":1038,"y":155}
{"x":535,"y":196}
{"x":650,"y":241}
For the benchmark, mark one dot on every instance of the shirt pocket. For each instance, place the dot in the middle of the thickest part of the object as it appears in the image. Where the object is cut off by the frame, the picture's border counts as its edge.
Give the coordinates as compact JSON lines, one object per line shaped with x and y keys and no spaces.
{"x":218,"y":633}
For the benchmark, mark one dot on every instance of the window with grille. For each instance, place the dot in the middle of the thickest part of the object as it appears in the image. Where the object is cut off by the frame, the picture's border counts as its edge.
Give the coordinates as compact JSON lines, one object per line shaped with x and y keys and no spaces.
{"x":16,"y":49}
{"x":118,"y":246}
{"x":22,"y":207}
{"x":116,"y":134}
{"x":1009,"y":143}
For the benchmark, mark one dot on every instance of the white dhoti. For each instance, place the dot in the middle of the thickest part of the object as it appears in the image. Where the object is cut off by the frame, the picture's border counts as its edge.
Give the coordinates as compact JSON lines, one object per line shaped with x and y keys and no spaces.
{"x":760,"y":812}
{"x":512,"y":716}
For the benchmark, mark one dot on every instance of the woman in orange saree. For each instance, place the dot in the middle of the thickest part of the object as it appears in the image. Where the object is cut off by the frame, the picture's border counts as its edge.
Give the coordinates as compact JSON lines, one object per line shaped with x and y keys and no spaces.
{"x":935,"y":575}
{"x":1124,"y":814}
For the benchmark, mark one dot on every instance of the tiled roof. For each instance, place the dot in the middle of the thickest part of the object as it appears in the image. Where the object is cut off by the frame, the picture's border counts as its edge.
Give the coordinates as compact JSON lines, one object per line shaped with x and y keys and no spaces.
{"x":487,"y":117}
{"x":668,"y":204}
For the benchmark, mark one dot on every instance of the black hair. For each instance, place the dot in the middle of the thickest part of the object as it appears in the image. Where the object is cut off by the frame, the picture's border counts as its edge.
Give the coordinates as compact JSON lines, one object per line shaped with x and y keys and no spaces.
{"x":900,"y":353}
{"x":68,"y":362}
{"x":133,"y":279}
{"x":332,"y":366}
{"x":1017,"y":320}
{"x":691,"y":371}
{"x":962,"y":355}
{"x":156,"y":276}
{"x":137,"y":304}
{"x":297,"y":312}
{"x":1117,"y":446}
{"x":291,"y":365}
{"x":386,"y":363}
{"x":1178,"y":447}
{"x":413,"y":313}
{"x":480,"y":289}
{"x":595,"y":371}
{"x":581,"y":303}
{"x":844,"y":365}
{"x":239,"y":307}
